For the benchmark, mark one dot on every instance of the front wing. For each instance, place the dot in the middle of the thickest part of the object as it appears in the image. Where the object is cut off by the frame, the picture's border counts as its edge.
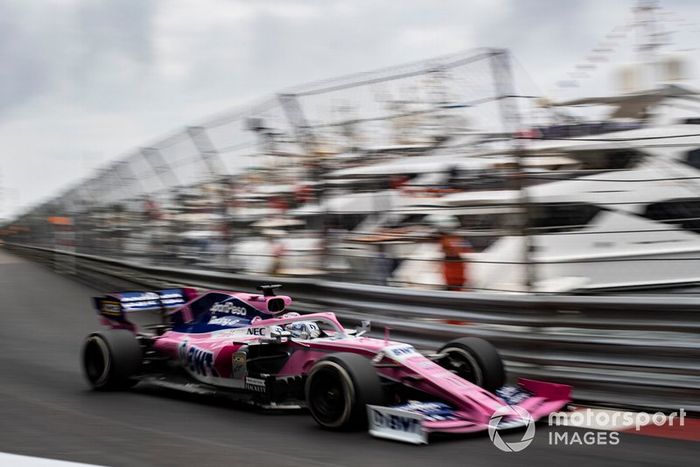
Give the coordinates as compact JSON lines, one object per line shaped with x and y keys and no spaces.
{"x":413,"y":422}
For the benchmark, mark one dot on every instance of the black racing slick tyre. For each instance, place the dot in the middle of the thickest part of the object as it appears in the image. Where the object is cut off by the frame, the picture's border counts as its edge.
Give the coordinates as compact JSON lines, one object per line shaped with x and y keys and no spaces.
{"x":475,"y":360}
{"x":110,"y":359}
{"x":338,"y":389}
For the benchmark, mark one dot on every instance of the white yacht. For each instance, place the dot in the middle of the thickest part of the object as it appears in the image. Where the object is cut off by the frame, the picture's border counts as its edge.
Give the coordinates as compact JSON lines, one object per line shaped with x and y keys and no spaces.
{"x":632,"y":228}
{"x":628,"y":219}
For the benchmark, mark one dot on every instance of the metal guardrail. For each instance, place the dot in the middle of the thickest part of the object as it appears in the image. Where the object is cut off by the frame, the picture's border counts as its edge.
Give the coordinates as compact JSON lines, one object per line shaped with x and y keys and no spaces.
{"x":639,"y":351}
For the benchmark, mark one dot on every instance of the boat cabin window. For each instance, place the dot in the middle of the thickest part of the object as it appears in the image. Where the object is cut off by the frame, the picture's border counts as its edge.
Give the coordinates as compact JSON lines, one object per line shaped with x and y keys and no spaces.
{"x":479,"y":179}
{"x":611,"y":159}
{"x":408,"y":221}
{"x":692,"y":158}
{"x":562,"y":217}
{"x":344,"y":221}
{"x":683,"y":212}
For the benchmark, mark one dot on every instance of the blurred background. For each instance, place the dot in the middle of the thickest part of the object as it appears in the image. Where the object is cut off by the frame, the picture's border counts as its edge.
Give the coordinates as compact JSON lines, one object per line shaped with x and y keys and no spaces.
{"x":454,"y":172}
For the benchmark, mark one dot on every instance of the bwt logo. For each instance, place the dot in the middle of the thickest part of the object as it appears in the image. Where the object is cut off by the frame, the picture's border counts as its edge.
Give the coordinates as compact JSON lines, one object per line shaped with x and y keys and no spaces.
{"x":401,"y":351}
{"x":196,"y":360}
{"x":396,"y":422}
{"x":228,"y":308}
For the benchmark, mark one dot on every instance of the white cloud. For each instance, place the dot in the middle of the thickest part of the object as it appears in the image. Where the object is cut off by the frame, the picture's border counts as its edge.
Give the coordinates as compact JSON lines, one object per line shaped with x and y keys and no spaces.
{"x":84,"y":81}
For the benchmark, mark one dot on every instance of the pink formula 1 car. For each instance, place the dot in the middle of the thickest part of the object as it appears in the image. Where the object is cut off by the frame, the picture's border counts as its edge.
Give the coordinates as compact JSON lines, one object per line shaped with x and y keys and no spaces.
{"x":247,"y":346}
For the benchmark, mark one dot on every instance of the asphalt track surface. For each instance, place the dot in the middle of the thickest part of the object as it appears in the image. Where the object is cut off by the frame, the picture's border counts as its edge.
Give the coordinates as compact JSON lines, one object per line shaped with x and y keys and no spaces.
{"x":46,"y":409}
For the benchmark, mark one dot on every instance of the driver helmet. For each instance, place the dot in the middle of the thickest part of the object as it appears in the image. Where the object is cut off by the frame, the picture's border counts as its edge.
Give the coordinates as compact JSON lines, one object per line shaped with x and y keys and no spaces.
{"x":304,"y":329}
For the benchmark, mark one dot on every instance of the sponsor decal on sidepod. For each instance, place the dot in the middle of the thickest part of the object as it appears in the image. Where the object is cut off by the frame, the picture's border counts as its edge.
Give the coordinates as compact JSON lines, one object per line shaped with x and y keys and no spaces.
{"x":228,"y":308}
{"x":197,"y":361}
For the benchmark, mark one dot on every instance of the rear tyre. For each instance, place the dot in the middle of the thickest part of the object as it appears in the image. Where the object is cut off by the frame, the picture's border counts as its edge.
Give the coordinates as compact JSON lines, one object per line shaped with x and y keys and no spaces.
{"x":339,"y":388}
{"x":475,"y":360}
{"x":111,"y":359}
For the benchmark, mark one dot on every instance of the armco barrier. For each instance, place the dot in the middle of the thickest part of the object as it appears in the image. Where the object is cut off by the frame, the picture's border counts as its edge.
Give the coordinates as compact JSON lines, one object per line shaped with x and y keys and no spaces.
{"x":640,"y":351}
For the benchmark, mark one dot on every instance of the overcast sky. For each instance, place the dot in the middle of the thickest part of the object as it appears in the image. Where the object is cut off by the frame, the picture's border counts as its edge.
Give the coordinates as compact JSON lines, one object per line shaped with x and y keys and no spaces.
{"x":83,"y":81}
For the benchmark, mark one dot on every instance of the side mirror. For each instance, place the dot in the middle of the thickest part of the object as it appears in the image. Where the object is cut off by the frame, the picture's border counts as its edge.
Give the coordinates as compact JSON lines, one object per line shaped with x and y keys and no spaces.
{"x":365,"y":327}
{"x":275,"y":305}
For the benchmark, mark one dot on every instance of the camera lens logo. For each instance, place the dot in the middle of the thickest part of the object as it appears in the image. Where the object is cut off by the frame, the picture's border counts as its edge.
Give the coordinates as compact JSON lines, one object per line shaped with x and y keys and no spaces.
{"x":514,"y":417}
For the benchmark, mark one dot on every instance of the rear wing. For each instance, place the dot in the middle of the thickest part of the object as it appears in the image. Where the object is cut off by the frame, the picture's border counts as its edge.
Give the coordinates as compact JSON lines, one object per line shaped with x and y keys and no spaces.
{"x":115,"y":306}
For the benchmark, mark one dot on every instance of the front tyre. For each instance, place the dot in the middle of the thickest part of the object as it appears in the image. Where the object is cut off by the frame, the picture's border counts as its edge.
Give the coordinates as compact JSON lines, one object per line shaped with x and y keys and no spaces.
{"x":111,"y":358}
{"x":475,"y":360}
{"x":339,"y":388}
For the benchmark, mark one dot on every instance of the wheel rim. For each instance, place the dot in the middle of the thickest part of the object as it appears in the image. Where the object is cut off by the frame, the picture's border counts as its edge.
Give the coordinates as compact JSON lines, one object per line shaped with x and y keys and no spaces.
{"x":96,"y":360}
{"x":329,"y":396}
{"x":463,"y":364}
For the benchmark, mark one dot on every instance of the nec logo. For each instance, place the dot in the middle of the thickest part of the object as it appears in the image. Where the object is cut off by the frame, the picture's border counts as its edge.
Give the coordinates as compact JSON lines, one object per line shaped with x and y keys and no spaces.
{"x":228,"y":308}
{"x":256,"y":331}
{"x":395,"y":422}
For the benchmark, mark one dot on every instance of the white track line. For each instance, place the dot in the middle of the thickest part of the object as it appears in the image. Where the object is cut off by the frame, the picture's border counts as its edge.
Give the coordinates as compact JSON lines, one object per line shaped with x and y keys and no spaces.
{"x":14,"y":460}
